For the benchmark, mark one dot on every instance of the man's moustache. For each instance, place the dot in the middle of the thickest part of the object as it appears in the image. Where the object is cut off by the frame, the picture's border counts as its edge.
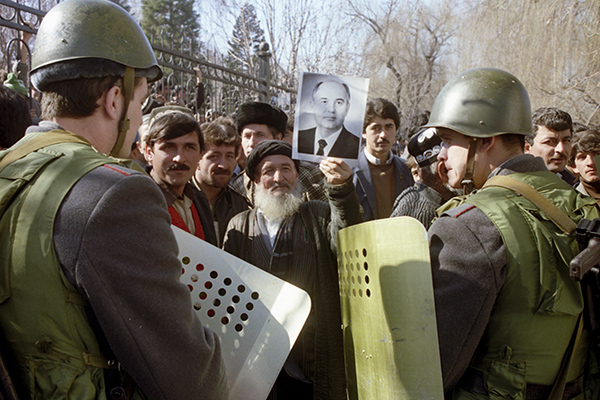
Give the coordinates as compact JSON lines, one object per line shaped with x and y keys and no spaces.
{"x":282,"y":184}
{"x":222,"y":171}
{"x":559,"y":158}
{"x":178,"y":167}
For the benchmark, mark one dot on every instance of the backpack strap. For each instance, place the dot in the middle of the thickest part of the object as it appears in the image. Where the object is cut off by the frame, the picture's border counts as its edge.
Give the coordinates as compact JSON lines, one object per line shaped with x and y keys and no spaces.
{"x":38,"y":142}
{"x":557,"y":216}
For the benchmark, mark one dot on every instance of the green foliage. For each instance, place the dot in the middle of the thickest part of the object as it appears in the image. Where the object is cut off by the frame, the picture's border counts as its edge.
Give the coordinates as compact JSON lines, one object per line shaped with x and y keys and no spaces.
{"x":246,"y":37}
{"x":124,"y":4}
{"x":177,"y":19}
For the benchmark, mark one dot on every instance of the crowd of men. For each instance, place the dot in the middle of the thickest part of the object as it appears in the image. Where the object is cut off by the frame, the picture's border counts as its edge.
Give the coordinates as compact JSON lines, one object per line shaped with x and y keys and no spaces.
{"x":90,"y":301}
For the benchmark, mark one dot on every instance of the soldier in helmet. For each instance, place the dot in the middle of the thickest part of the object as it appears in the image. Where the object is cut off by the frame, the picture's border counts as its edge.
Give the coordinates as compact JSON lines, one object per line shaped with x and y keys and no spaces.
{"x":91,"y":303}
{"x":506,"y":308}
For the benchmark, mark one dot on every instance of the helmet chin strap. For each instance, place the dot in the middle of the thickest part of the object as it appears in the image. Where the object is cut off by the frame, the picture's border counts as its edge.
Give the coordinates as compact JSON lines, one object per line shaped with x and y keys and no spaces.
{"x":467,"y":183}
{"x":124,"y":123}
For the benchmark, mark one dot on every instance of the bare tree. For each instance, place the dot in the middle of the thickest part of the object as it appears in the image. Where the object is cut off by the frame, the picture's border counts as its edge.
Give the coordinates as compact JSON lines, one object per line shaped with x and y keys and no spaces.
{"x":403,"y":53}
{"x":551,"y":46}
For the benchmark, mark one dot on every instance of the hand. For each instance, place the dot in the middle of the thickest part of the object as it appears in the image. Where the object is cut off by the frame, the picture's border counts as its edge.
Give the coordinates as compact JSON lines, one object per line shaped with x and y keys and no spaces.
{"x":27,"y":35}
{"x":336,"y":171}
{"x":198,"y":75}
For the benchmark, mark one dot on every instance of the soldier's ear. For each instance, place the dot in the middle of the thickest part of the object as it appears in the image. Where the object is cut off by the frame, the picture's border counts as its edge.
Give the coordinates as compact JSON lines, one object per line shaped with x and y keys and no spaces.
{"x":112,"y":102}
{"x":485,"y":144}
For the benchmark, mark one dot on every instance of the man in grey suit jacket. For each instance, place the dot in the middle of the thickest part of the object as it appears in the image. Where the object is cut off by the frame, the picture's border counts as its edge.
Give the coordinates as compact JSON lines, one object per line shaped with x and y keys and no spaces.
{"x":380,"y":176}
{"x":330,"y":104}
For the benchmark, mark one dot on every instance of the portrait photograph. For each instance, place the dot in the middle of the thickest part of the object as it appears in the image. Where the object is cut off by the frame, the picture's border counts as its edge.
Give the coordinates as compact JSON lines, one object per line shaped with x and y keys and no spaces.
{"x":329,"y":117}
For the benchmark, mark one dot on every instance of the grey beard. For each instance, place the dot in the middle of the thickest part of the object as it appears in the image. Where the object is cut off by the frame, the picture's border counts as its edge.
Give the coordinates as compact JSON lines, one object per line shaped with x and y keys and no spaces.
{"x":277,"y":208}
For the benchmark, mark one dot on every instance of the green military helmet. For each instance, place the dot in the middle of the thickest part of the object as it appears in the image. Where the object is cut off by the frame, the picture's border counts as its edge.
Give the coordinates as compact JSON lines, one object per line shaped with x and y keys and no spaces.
{"x":90,"y":39}
{"x":481,"y":103}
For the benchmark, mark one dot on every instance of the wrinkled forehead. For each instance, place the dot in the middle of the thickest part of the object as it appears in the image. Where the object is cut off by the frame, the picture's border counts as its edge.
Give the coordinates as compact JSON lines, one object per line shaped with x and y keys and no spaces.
{"x":331,"y":90}
{"x":276,"y":161}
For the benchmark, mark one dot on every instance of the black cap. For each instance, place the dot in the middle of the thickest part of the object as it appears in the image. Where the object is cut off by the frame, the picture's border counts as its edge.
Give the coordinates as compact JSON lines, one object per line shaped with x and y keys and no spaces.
{"x":425,"y":146}
{"x":256,"y":112}
{"x":264,"y":149}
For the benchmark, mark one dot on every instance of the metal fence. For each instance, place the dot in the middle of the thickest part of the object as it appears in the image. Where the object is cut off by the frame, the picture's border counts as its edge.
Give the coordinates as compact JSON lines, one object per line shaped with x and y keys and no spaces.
{"x":224,"y":88}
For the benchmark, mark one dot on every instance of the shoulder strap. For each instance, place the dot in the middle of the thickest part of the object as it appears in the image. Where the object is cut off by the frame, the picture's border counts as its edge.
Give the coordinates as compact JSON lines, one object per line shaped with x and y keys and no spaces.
{"x":39,"y":142}
{"x":561,"y":219}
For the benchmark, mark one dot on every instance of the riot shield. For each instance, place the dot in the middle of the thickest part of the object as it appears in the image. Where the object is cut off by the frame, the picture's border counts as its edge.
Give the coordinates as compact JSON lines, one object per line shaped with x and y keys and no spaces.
{"x":257,"y":315}
{"x":388,"y":314}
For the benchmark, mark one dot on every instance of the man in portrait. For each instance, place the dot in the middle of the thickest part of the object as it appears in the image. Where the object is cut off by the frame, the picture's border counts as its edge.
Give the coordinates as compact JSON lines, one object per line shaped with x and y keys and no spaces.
{"x":330,"y":103}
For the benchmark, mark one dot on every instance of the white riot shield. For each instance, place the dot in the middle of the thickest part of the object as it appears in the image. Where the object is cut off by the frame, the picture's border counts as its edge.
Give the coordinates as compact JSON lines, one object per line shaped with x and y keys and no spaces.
{"x":388,"y":314}
{"x":257,"y":315}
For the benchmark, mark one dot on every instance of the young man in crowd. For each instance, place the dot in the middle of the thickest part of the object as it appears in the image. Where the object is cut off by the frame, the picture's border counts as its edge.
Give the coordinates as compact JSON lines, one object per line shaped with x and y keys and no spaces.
{"x":380,"y":176}
{"x":211,"y":178}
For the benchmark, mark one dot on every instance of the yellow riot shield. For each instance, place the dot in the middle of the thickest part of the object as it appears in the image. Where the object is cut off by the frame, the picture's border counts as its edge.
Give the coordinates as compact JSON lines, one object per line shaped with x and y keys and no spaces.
{"x":388,"y":313}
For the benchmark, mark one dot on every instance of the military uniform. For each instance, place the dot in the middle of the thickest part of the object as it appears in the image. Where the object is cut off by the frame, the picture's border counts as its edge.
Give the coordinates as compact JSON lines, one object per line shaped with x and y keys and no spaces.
{"x":114,"y":261}
{"x":90,"y":276}
{"x":479,"y":277}
{"x":509,"y":317}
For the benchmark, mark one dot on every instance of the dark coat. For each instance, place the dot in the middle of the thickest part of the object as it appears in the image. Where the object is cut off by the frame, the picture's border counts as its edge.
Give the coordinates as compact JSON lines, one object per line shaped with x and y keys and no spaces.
{"x":365,"y":188}
{"x":346,"y":146}
{"x":418,"y":201}
{"x":228,"y":204}
{"x":321,"y":221}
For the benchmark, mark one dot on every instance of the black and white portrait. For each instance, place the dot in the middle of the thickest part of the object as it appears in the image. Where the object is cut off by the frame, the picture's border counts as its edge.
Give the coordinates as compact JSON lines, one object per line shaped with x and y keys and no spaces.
{"x":329,"y":117}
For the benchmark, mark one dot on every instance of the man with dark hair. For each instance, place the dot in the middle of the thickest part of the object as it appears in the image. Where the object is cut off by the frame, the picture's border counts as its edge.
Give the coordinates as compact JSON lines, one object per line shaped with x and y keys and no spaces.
{"x":14,"y":117}
{"x":586,"y":146}
{"x":330,"y":102}
{"x":256,"y":122}
{"x":296,"y":241}
{"x":429,"y":193}
{"x":107,"y":316}
{"x":509,"y":317}
{"x":211,"y":179}
{"x":551,"y":140}
{"x":173,"y":146}
{"x":380,"y":176}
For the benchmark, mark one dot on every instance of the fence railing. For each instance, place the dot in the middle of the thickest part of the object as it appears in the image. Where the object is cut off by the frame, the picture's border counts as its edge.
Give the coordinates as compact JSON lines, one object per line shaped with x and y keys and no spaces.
{"x":224,"y":88}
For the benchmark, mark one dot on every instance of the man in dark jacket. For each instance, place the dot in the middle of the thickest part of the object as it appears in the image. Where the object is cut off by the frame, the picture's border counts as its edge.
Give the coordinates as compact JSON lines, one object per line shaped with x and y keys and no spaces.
{"x":380,"y":176}
{"x":211,"y":179}
{"x":296,"y":241}
{"x":173,"y":146}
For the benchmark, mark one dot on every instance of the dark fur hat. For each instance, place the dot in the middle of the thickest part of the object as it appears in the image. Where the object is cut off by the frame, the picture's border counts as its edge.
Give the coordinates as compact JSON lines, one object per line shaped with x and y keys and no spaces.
{"x":256,"y":112}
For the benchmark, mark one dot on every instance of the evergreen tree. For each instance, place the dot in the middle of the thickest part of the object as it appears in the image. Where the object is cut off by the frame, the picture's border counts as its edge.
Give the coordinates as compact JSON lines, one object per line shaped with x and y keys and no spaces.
{"x":124,"y":4}
{"x":177,"y":18}
{"x":246,"y":37}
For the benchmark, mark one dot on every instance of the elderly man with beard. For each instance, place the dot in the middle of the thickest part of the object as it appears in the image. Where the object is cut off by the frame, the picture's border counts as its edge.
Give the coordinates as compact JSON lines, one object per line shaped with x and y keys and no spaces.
{"x":211,"y":180}
{"x":173,"y":146}
{"x":296,"y":241}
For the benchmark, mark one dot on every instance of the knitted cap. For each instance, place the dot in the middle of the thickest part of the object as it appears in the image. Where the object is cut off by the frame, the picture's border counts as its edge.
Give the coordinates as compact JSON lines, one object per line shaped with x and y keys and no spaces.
{"x":15,"y":84}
